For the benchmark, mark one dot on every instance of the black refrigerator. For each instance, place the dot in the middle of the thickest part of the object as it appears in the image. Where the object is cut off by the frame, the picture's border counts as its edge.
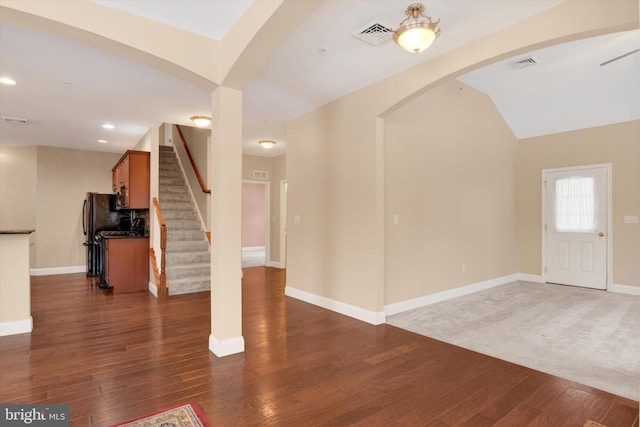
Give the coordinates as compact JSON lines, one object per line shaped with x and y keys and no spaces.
{"x":99,"y":214}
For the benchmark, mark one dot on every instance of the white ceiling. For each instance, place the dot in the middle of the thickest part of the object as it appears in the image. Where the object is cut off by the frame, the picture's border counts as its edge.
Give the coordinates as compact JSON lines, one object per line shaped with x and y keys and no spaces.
{"x":68,"y":90}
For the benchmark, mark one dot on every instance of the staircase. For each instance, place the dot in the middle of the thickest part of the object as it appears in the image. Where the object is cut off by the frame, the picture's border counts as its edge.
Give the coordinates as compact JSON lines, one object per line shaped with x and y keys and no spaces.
{"x":188,"y":263}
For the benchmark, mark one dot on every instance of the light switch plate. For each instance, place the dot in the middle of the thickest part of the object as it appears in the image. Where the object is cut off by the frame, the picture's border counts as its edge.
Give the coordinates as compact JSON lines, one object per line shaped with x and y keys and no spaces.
{"x":631,"y":219}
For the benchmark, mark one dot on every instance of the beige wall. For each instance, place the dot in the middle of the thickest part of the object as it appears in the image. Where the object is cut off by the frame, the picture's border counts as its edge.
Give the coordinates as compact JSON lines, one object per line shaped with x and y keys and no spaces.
{"x":15,"y":292}
{"x":18,"y":179}
{"x":278,"y":173}
{"x":45,"y":191}
{"x":64,"y":177}
{"x":616,"y":144}
{"x":450,"y":177}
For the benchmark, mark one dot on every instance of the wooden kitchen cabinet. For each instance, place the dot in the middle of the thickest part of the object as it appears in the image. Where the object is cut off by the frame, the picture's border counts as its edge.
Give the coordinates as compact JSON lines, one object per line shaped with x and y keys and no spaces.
{"x":126,"y":264}
{"x":130,"y":180}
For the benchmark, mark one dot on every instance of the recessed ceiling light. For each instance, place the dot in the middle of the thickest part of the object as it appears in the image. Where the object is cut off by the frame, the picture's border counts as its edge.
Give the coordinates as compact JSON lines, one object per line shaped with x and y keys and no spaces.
{"x":7,"y":81}
{"x":108,"y":126}
{"x":102,"y":141}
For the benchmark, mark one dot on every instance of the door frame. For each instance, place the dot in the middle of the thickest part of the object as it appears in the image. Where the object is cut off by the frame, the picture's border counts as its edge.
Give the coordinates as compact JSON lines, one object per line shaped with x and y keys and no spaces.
{"x":267,"y":213}
{"x":608,"y":168}
{"x":283,"y":223}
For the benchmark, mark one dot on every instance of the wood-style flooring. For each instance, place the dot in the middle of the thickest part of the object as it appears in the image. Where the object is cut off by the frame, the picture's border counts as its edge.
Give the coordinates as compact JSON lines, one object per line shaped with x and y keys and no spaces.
{"x":113,"y":357}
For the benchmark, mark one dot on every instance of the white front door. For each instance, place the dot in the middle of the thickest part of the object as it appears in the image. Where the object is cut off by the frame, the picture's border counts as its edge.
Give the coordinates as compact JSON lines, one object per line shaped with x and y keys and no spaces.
{"x":576,"y":221}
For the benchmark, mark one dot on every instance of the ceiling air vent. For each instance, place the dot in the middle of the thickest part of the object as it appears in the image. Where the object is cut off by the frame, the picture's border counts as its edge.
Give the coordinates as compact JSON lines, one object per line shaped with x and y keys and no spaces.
{"x":14,"y":120}
{"x":261,"y":175}
{"x":523,"y":63}
{"x":374,"y":34}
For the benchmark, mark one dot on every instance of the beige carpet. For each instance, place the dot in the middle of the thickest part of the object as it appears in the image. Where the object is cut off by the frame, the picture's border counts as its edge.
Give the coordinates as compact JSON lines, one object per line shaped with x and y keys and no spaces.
{"x":588,"y":336}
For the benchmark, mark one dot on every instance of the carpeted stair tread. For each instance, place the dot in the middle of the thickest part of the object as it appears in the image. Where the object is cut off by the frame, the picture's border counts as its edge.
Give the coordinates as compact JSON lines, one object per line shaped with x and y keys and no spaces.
{"x":188,"y":259}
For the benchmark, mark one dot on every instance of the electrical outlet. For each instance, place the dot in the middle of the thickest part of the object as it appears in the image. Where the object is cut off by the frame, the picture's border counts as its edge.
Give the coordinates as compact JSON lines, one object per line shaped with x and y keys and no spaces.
{"x":463,"y":268}
{"x":396,"y":219}
{"x":630,"y":219}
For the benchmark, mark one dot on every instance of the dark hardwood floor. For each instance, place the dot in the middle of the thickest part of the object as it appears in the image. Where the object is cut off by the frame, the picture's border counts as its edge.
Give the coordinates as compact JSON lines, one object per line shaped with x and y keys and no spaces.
{"x":113,"y":357}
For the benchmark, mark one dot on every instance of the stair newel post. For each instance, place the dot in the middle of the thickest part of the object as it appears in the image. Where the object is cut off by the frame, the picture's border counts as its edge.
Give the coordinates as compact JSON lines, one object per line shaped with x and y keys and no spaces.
{"x":161,"y":284}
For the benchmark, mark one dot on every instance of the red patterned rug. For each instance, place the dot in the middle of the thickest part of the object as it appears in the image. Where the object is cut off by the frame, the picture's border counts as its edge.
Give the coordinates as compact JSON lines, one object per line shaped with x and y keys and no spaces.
{"x":187,"y":415}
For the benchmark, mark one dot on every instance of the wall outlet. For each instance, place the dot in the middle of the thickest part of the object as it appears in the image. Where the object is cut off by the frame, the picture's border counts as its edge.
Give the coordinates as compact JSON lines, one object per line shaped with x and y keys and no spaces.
{"x":396,"y":219}
{"x":463,"y":268}
{"x":631,"y":219}
{"x":296,"y":219}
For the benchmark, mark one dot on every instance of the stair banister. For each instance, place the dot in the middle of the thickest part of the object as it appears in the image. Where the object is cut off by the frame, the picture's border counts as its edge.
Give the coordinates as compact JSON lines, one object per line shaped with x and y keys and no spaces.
{"x":193,"y":164}
{"x":162,"y":276}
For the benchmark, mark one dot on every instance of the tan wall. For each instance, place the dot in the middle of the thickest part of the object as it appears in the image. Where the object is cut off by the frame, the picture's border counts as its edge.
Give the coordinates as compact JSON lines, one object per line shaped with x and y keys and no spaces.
{"x":64,"y":177}
{"x":616,"y":144}
{"x":18,"y":178}
{"x":279,"y":173}
{"x":450,"y":177}
{"x":15,"y":292}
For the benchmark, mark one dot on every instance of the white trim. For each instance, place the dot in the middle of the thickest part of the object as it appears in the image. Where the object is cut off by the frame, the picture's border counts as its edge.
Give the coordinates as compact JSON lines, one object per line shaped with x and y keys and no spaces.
{"x":58,"y":270}
{"x":282,"y":230}
{"x":153,"y":289}
{"x":226,"y":347}
{"x":608,"y":167}
{"x":253,"y":248}
{"x":372,"y":317}
{"x":537,"y":278}
{"x":275,"y":264}
{"x":411,"y":304}
{"x":16,"y":327}
{"x":625,"y":289}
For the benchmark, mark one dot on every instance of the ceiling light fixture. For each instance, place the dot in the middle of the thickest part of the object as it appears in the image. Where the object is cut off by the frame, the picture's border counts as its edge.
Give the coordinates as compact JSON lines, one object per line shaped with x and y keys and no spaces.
{"x":201,"y":121}
{"x":415,"y":35}
{"x":7,"y":81}
{"x":267,"y":143}
{"x":108,"y":126}
{"x":102,"y":141}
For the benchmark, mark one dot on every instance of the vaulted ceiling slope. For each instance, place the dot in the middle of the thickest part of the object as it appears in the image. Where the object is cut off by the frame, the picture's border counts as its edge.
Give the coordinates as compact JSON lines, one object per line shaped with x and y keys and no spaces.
{"x":91,"y":62}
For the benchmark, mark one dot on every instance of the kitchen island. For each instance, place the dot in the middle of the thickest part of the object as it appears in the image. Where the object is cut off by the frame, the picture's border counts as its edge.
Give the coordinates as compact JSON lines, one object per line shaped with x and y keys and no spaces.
{"x":15,"y":283}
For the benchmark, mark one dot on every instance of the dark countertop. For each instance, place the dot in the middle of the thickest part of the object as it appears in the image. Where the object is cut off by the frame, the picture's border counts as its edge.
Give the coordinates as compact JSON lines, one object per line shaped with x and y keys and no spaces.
{"x":125,"y":237}
{"x":17,"y":231}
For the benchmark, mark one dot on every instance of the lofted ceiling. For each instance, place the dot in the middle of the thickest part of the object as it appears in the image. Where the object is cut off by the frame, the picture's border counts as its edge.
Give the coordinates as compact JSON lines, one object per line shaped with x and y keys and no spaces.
{"x":66,"y":90}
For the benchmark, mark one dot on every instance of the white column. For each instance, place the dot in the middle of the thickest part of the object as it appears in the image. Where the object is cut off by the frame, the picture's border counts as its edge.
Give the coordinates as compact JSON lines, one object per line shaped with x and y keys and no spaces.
{"x":226,"y":270}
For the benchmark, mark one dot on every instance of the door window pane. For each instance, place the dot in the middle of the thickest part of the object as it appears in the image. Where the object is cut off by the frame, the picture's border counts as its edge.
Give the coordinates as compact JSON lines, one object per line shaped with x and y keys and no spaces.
{"x":575,"y":204}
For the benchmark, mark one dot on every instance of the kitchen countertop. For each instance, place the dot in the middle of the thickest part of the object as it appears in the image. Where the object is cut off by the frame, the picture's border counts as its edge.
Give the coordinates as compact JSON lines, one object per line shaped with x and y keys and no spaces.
{"x":17,"y":231}
{"x":125,"y":237}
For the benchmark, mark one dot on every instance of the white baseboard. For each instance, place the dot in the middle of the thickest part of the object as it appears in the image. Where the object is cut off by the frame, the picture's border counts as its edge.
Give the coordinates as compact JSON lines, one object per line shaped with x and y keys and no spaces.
{"x":372,"y":317}
{"x":226,"y":347}
{"x":530,"y":277}
{"x":58,"y":270}
{"x":16,"y":327}
{"x":625,"y":289}
{"x":275,"y":264}
{"x":411,"y":304}
{"x":153,"y":289}
{"x":252,"y":248}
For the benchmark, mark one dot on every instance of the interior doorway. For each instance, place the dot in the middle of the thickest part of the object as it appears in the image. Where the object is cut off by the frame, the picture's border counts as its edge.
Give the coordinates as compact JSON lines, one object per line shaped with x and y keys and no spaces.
{"x":255,"y":224}
{"x":577,"y":226}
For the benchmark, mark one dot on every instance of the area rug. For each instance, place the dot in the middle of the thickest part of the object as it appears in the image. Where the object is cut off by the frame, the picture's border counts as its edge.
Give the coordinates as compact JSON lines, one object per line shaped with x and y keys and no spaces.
{"x":187,"y":415}
{"x":588,"y":336}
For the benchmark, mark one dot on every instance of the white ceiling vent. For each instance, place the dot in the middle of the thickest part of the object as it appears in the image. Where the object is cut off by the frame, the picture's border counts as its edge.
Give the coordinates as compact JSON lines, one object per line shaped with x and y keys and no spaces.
{"x":374,"y":34}
{"x":14,"y":120}
{"x":261,"y":175}
{"x":523,"y":63}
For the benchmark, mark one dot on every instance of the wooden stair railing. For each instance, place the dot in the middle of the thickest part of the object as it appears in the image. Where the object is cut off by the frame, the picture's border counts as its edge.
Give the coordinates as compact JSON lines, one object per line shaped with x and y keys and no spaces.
{"x":193,"y":164}
{"x":160,"y":276}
